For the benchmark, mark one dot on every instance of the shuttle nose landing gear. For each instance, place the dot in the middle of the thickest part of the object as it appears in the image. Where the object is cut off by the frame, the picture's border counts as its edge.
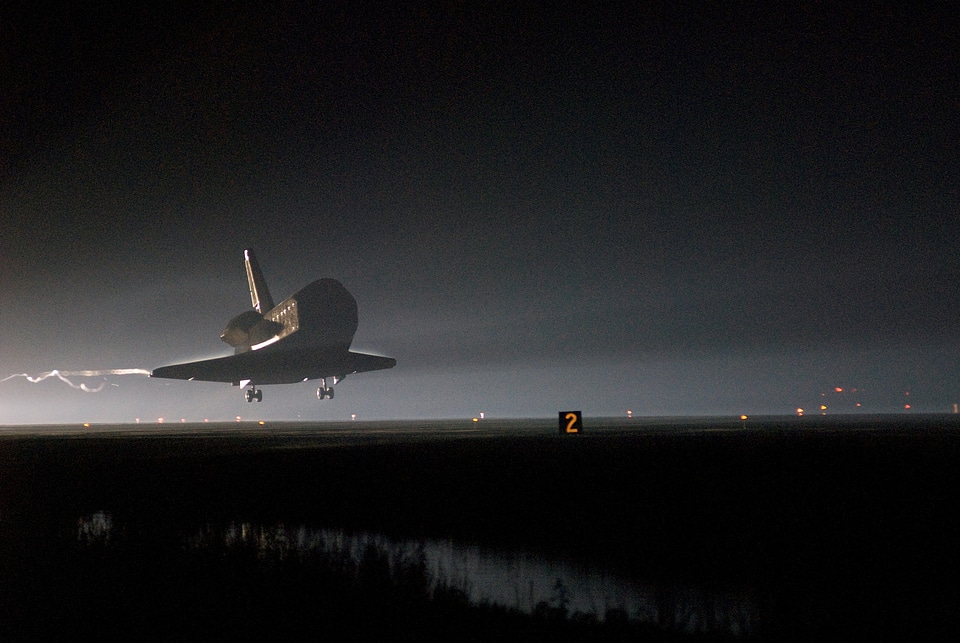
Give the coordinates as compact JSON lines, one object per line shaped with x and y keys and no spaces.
{"x":325,"y":391}
{"x":253,"y":393}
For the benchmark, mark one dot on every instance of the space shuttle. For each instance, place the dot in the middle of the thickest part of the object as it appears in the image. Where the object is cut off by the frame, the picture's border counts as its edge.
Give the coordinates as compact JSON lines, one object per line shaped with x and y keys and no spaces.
{"x":307,"y":336}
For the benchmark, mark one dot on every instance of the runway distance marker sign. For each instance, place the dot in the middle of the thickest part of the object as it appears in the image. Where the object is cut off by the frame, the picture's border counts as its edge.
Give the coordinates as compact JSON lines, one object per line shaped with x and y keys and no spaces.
{"x":571,"y":422}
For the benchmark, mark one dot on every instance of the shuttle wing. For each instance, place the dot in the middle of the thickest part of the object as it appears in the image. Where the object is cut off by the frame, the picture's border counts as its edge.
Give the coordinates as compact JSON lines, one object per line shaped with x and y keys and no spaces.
{"x":276,"y":367}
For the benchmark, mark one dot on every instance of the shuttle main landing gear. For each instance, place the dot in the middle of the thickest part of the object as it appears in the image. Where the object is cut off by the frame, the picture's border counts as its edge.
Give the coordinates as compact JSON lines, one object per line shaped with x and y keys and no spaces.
{"x":253,"y":393}
{"x":326,"y":392}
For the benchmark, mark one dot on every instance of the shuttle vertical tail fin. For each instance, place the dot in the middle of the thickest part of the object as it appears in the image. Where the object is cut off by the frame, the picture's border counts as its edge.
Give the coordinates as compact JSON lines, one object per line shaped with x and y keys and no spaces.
{"x":259,"y":293}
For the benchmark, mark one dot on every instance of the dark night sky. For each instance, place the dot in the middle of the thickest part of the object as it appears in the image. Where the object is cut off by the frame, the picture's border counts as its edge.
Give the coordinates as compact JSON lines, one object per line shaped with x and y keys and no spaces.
{"x":717,"y":208}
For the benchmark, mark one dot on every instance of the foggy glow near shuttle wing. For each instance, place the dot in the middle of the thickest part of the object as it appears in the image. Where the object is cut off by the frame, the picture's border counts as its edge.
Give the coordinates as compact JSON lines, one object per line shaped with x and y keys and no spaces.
{"x":64,"y":376}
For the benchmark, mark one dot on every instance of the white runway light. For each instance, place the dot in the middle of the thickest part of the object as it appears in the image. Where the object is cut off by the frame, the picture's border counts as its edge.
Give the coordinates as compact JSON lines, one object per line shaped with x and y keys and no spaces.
{"x":64,"y":376}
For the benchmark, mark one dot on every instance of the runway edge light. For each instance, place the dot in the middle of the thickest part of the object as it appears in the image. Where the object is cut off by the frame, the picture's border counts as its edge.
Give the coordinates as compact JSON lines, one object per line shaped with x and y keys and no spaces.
{"x":571,"y":422}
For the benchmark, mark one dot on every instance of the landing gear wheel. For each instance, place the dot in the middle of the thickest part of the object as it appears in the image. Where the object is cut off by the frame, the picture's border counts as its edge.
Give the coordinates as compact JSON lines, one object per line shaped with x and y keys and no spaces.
{"x":325,"y":392}
{"x":253,"y":394}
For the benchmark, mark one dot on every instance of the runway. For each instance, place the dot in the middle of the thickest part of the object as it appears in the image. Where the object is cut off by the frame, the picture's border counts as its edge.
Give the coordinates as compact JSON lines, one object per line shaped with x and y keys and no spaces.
{"x":322,"y":434}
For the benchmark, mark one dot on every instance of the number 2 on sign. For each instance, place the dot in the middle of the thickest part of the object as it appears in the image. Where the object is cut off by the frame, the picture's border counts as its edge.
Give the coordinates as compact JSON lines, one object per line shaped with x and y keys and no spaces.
{"x":570,"y":422}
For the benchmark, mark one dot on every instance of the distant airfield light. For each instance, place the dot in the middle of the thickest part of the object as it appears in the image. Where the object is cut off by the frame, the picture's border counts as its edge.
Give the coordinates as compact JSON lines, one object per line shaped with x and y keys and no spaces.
{"x":159,"y":420}
{"x":86,"y":425}
{"x":476,"y":419}
{"x":183,"y":420}
{"x":262,"y":422}
{"x":138,"y":420}
{"x":629,"y":413}
{"x":238,"y":418}
{"x":838,"y":389}
{"x":353,"y":416}
{"x":906,"y":406}
{"x":206,"y":419}
{"x":481,"y":415}
{"x":799,"y":412}
{"x":956,"y":407}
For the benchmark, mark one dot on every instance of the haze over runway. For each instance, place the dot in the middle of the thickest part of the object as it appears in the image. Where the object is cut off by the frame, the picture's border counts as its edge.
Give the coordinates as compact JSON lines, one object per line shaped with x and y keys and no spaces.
{"x":708,"y":209}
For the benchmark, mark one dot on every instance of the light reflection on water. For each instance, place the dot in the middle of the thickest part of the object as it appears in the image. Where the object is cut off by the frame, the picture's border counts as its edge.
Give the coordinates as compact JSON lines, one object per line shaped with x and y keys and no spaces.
{"x":95,"y":528}
{"x":513,"y":579}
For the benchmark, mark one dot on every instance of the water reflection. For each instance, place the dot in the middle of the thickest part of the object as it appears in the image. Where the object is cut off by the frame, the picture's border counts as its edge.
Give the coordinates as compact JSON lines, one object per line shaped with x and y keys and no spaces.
{"x":525,"y":581}
{"x":95,"y":528}
{"x":513,"y":579}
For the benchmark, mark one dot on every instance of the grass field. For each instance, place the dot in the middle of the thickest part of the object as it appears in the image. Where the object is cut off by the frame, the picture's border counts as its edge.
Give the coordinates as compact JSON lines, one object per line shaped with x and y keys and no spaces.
{"x":837,"y":528}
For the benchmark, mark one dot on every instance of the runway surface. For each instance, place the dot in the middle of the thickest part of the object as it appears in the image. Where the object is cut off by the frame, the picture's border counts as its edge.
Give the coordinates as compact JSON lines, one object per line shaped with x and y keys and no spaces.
{"x":321,"y":434}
